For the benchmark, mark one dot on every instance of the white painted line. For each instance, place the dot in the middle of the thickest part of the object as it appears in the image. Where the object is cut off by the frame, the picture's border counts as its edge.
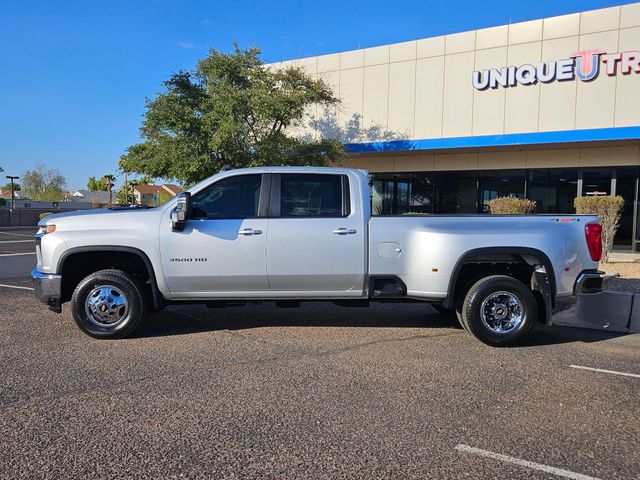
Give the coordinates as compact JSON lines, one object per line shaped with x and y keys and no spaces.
{"x":15,"y":286}
{"x":15,"y":234}
{"x":624,"y":374}
{"x":16,"y":254}
{"x":17,"y":241}
{"x":524,"y":463}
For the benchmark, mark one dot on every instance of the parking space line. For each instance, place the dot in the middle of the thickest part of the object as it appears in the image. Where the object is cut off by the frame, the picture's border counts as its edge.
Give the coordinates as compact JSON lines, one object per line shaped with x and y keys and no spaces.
{"x":624,"y":374}
{"x":16,"y":254}
{"x":15,"y":234}
{"x":17,"y":241}
{"x":524,"y":463}
{"x":15,"y":286}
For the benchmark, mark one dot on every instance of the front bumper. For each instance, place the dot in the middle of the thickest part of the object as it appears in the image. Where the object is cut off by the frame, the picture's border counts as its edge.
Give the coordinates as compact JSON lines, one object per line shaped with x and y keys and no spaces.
{"x":48,"y":289}
{"x":589,"y":282}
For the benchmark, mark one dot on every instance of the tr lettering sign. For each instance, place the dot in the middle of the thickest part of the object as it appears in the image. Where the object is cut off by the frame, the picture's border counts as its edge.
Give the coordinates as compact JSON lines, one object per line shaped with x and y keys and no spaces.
{"x":584,"y":65}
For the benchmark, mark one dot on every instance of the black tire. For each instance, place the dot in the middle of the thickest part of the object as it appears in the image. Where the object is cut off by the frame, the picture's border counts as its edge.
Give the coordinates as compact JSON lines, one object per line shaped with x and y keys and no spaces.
{"x":119,"y":304}
{"x":504,"y":296}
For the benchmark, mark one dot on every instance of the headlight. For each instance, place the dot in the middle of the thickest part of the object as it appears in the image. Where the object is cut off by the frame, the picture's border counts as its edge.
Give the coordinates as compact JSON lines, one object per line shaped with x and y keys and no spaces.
{"x":44,"y":229}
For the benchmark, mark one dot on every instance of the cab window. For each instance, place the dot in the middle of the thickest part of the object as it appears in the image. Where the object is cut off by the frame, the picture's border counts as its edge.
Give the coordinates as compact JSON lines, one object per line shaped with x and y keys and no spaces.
{"x":314,"y":195}
{"x":232,"y":197}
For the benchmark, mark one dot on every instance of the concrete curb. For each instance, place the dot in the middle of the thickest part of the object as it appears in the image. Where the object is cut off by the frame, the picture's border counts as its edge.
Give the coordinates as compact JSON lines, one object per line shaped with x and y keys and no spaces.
{"x":612,"y":311}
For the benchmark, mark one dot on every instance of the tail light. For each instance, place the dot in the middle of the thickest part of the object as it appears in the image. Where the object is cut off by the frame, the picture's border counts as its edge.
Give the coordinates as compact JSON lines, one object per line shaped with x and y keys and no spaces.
{"x":593,"y":232}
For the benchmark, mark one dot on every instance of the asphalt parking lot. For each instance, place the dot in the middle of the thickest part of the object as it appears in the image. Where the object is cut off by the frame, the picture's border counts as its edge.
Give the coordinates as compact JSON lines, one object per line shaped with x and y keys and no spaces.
{"x":394,"y":391}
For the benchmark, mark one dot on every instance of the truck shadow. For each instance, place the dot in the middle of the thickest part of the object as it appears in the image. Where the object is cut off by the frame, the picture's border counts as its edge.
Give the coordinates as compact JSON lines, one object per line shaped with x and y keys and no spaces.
{"x":189,"y":319}
{"x":179,"y":320}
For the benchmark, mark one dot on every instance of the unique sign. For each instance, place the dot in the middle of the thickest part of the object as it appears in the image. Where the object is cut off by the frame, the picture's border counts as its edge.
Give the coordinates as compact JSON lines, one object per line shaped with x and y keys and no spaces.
{"x":584,"y":65}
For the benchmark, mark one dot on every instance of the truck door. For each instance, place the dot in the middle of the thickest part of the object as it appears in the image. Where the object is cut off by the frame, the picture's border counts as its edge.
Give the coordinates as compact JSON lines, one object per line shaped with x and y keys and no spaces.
{"x":221,"y":251}
{"x":316,"y":238}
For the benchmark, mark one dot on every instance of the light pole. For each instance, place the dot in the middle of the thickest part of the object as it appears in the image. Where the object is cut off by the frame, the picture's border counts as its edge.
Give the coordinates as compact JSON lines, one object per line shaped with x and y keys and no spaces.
{"x":13,"y":194}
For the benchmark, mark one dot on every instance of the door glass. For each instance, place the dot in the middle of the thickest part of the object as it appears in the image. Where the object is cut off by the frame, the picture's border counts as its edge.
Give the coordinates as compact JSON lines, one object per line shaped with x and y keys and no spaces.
{"x":626,"y":188}
{"x":403,"y":192}
{"x":382,"y":195}
{"x":553,"y":190}
{"x":456,"y":192}
{"x":311,"y":195}
{"x":596,"y":181}
{"x":500,"y":184}
{"x":232,"y":197}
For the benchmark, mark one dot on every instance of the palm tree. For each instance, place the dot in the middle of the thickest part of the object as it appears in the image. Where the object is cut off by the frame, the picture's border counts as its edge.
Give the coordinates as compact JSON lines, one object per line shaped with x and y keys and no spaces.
{"x":109,"y":181}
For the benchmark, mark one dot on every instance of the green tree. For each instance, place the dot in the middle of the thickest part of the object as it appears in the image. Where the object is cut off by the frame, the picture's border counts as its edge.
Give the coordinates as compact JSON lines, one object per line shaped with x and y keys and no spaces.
{"x":93,"y":185}
{"x":43,"y":184}
{"x":124,"y":194}
{"x":101,"y":184}
{"x":7,"y":186}
{"x":231,"y":110}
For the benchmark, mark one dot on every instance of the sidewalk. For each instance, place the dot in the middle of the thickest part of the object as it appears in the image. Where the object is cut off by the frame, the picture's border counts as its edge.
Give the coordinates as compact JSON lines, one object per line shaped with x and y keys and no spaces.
{"x":614,"y":311}
{"x":624,"y":257}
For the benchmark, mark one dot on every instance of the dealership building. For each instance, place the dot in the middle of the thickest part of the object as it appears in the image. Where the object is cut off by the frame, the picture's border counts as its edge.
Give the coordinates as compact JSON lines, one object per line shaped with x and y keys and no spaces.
{"x":546,"y":109}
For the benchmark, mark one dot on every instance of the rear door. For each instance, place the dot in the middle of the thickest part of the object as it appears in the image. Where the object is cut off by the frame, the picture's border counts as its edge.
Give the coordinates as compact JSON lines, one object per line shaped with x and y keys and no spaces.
{"x":316,"y":238}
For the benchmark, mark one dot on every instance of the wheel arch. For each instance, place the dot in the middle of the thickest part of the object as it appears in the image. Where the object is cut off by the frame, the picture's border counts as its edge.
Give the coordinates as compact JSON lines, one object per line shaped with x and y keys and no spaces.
{"x":157,"y":297}
{"x":545,"y":281}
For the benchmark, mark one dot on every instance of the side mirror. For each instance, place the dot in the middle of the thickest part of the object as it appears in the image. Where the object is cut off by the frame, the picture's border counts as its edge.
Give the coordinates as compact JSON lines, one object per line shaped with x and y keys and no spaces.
{"x":180,"y":214}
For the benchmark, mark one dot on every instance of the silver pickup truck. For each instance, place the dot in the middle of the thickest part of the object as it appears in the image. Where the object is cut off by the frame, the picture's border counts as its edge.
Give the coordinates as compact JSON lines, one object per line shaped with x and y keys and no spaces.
{"x":292,"y":234}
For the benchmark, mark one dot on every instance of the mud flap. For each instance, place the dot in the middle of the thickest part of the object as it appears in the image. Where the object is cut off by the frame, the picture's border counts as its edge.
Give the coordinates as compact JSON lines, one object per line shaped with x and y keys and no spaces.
{"x":540,"y":283}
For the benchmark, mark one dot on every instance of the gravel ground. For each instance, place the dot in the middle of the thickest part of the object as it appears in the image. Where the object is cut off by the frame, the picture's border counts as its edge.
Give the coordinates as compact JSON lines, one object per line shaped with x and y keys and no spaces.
{"x":629,"y":279}
{"x":314,"y":392}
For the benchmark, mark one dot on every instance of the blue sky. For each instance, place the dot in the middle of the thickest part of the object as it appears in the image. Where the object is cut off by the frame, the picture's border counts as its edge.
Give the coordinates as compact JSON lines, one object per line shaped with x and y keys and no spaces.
{"x":76,"y":73}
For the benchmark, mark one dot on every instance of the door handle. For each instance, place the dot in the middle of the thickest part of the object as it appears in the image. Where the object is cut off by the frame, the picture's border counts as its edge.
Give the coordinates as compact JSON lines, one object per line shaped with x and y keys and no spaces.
{"x":344,"y":231}
{"x":249,"y":231}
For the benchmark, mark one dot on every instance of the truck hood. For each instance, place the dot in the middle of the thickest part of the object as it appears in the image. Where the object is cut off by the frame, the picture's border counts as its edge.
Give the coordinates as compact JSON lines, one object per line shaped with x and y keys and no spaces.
{"x":100,"y":214}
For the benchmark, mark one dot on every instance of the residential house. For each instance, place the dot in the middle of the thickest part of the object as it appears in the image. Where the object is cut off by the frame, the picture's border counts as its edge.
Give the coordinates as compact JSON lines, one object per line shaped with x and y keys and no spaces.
{"x":153,"y":195}
{"x":97,"y":199}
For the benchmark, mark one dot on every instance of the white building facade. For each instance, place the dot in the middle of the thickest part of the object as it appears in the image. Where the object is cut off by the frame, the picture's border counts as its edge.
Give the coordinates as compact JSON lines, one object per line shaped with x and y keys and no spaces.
{"x":547,"y":109}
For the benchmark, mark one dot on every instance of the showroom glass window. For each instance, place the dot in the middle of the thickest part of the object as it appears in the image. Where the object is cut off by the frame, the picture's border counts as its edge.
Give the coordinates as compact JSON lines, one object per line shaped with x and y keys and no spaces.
{"x":553,"y":190}
{"x":596,"y":181}
{"x":456,"y":192}
{"x":401,"y":193}
{"x":500,"y":183}
{"x":626,"y":180}
{"x":233,"y":197}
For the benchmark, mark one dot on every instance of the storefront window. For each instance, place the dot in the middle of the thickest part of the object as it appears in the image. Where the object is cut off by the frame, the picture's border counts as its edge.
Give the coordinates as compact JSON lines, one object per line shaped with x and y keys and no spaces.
{"x":626,"y":188}
{"x":596,"y":181}
{"x":398,"y":194}
{"x":382,"y":194}
{"x":456,"y":192}
{"x":501,"y":183}
{"x":553,"y":190}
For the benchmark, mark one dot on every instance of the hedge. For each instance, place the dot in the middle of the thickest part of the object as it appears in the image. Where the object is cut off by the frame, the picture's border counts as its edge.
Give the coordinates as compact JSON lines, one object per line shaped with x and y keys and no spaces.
{"x":511,"y":206}
{"x":608,"y":208}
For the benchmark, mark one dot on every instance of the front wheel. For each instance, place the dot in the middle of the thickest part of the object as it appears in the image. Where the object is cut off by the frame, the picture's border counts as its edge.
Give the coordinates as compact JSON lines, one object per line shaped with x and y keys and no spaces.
{"x":108,"y":304}
{"x":499,"y":310}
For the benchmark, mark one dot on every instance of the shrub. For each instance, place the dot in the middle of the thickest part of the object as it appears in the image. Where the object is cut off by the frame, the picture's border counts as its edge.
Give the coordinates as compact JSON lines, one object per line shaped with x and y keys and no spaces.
{"x":608,"y":208}
{"x":511,"y":206}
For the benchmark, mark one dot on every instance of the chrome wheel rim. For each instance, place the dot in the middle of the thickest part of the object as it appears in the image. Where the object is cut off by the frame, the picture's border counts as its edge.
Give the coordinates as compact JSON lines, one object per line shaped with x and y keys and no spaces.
{"x":502,"y":312}
{"x":106,"y":306}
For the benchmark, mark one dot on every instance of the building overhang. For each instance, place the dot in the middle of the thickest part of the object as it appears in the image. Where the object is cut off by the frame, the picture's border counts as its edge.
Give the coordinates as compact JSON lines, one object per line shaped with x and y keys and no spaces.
{"x":598,"y":137}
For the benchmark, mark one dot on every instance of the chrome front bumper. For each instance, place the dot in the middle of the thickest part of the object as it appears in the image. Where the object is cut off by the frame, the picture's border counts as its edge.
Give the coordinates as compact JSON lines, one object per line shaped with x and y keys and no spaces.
{"x":589,"y":282}
{"x":48,"y":289}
